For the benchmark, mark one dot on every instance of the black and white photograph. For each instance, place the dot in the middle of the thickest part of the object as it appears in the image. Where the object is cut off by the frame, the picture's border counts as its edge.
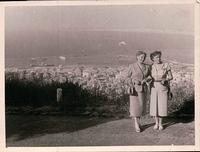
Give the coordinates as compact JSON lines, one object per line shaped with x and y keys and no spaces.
{"x":100,"y":75}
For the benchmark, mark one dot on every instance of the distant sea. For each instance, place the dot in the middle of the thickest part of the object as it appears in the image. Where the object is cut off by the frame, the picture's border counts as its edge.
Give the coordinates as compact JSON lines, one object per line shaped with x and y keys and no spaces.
{"x":95,"y":47}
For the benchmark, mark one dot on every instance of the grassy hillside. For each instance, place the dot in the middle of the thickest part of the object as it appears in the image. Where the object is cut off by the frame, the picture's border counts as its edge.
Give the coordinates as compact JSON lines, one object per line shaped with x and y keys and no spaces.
{"x":89,"y":87}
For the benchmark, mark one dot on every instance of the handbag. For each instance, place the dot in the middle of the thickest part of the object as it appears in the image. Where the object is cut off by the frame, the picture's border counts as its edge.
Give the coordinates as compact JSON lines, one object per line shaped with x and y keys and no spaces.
{"x":131,"y":91}
{"x":169,"y":94}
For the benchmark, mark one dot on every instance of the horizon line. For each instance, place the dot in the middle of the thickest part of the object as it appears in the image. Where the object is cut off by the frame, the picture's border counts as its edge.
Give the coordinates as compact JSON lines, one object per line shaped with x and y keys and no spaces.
{"x":132,"y":30}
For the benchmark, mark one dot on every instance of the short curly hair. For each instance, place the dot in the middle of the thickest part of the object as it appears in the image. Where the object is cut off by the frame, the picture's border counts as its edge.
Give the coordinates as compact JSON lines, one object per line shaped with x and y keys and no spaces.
{"x":155,"y":53}
{"x":140,"y":52}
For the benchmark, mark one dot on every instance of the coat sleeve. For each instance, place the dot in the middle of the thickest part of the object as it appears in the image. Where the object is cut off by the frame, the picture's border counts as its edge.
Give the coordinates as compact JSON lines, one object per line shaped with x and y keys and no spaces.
{"x":131,"y":74}
{"x":169,"y":75}
{"x":167,"y":67}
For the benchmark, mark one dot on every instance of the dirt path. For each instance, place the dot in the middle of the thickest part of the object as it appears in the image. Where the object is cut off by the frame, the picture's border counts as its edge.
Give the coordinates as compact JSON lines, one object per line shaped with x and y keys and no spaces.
{"x":80,"y":131}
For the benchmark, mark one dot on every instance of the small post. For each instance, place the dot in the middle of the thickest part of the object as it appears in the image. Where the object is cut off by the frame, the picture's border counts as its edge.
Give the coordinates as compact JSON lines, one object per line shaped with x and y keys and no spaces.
{"x":59,"y":95}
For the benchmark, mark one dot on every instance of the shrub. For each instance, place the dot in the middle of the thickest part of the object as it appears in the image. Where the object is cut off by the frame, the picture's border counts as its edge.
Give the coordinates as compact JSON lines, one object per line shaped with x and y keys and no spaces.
{"x":92,"y":87}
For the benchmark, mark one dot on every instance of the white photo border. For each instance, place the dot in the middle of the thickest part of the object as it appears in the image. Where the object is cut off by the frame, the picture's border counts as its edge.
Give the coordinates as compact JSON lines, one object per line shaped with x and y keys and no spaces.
{"x":196,"y":147}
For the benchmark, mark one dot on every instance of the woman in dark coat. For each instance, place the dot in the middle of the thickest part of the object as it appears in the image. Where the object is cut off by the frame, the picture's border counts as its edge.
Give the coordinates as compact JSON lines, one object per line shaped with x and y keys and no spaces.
{"x":139,"y":78}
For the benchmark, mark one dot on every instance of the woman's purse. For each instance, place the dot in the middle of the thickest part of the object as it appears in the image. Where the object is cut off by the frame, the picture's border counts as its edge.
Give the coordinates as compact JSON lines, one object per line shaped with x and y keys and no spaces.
{"x":167,"y":83}
{"x":131,"y":91}
{"x":169,"y":93}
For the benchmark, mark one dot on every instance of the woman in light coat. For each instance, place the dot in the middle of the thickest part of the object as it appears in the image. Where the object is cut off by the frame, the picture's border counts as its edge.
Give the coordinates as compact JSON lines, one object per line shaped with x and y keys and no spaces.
{"x":161,"y":74}
{"x":139,"y":76}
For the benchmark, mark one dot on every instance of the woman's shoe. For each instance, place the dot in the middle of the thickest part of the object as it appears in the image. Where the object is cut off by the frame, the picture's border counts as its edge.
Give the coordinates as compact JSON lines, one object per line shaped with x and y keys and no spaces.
{"x":156,"y":127}
{"x":160,"y":127}
{"x":137,"y":129}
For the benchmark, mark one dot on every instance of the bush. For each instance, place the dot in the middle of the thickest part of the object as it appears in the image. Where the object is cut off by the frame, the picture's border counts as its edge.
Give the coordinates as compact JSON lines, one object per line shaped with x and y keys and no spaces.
{"x":96,"y":87}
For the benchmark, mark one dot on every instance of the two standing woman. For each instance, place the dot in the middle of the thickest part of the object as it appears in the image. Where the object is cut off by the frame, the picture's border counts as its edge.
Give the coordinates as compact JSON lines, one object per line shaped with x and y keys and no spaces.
{"x":145,"y":79}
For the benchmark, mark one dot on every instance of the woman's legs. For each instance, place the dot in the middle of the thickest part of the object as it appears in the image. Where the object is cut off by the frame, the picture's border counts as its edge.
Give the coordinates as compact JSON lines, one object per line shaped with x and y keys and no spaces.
{"x":137,"y":104}
{"x":137,"y":124}
{"x":158,"y":124}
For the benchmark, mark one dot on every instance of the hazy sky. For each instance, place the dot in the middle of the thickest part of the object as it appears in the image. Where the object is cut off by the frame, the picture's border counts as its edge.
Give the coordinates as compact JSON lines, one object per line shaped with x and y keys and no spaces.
{"x":177,"y":18}
{"x":39,"y":28}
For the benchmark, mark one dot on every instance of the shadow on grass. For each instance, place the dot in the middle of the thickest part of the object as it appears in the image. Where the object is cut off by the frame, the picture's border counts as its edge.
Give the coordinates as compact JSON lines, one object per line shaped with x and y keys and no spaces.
{"x":170,"y":121}
{"x":174,"y":120}
{"x":35,"y":94}
{"x":24,"y":127}
{"x":184,"y":115}
{"x":144,"y":127}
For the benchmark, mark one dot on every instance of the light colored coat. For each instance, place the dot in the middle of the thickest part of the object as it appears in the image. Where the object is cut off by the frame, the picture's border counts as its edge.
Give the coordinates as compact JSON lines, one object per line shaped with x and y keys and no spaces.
{"x":159,"y":92}
{"x":138,"y":101}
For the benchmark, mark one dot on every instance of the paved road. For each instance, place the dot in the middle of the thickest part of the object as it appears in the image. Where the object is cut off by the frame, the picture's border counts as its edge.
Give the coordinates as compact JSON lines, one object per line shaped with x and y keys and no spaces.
{"x":81,"y":131}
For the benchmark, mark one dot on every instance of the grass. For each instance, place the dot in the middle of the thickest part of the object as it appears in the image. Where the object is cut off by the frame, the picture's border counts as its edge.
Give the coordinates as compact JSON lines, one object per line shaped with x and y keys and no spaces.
{"x":101,"y":87}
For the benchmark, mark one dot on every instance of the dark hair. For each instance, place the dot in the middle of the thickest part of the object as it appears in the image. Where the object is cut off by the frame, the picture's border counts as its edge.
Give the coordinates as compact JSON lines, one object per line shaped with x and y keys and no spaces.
{"x":155,"y":53}
{"x":140,"y":52}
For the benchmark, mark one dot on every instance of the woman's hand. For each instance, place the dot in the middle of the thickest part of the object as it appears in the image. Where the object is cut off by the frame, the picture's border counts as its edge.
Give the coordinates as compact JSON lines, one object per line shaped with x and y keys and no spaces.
{"x":163,"y":81}
{"x":137,"y":82}
{"x":143,"y":81}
